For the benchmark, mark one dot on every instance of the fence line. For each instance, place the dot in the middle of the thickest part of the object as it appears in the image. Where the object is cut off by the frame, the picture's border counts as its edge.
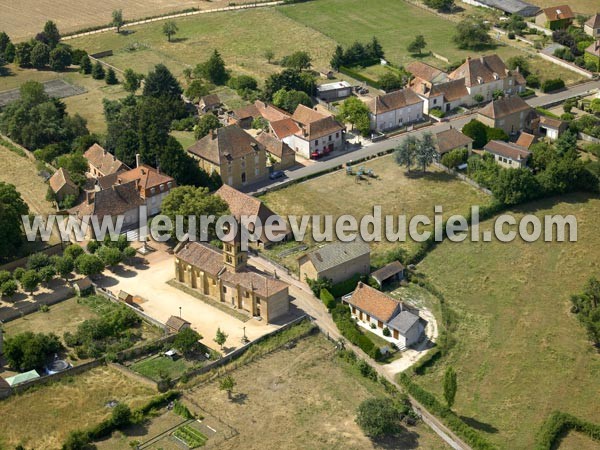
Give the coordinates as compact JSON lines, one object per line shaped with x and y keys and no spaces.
{"x":566,"y":65}
{"x":463,"y":178}
{"x":21,"y":262}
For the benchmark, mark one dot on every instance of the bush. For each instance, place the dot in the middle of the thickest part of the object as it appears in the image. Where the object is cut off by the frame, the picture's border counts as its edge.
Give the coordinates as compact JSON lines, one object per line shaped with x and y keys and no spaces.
{"x":345,"y":287}
{"x":552,"y":85}
{"x":8,"y":288}
{"x":533,"y":81}
{"x":378,"y":417}
{"x":455,"y":158}
{"x":386,"y":332}
{"x":478,"y":98}
{"x":327,"y":299}
{"x":558,"y":424}
{"x":436,"y":112}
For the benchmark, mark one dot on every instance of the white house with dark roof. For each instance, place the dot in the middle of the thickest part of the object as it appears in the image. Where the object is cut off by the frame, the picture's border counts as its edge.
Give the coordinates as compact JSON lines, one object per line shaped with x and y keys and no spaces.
{"x":338,"y":261}
{"x":507,"y":154}
{"x":395,"y":109}
{"x":376,"y":311}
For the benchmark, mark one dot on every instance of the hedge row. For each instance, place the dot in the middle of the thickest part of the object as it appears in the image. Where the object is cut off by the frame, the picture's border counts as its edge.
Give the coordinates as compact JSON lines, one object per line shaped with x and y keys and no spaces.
{"x":552,"y":85}
{"x":327,"y":299}
{"x":345,"y":287}
{"x":559,"y":424}
{"x":452,"y":421}
{"x":360,"y":77}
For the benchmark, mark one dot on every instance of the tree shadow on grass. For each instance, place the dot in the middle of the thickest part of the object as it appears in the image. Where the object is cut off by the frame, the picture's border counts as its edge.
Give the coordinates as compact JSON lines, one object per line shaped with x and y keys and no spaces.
{"x":481,"y":426}
{"x":178,"y":40}
{"x":406,"y":439}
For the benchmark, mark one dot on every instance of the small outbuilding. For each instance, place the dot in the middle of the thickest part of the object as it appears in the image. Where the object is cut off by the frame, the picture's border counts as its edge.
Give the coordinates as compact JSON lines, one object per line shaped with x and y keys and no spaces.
{"x":552,"y":128}
{"x":331,"y":92}
{"x":209,"y":103}
{"x":125,"y":297}
{"x":394,"y":271}
{"x":83,"y":286}
{"x":22,"y":378}
{"x":175,"y":324}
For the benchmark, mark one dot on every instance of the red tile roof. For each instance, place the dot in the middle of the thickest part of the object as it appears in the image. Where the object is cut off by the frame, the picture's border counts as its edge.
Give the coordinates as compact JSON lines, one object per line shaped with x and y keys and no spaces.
{"x":558,"y":13}
{"x":374,"y":303}
{"x":504,"y":107}
{"x":60,"y":179}
{"x":507,"y":149}
{"x":104,"y":161}
{"x":226,"y":143}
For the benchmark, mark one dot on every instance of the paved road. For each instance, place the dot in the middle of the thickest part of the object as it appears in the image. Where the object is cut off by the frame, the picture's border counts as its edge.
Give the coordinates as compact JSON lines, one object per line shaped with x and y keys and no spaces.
{"x":340,"y":157}
{"x":305,"y":300}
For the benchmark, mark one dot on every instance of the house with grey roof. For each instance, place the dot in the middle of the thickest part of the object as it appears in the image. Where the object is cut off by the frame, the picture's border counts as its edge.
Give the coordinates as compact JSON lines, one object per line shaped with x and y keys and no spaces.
{"x":337,"y":262}
{"x":507,"y":6}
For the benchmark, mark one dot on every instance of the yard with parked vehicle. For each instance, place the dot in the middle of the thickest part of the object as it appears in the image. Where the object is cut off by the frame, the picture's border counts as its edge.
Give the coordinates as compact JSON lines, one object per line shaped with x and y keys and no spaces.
{"x":519,"y":351}
{"x":42,"y":418}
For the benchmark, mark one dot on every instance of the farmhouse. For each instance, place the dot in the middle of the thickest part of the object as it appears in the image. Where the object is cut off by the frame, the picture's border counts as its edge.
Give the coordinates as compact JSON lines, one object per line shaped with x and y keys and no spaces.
{"x":555,"y":17}
{"x":225,"y":277}
{"x":281,"y":153}
{"x":552,"y":128}
{"x":209,"y":103}
{"x":395,"y":109}
{"x":444,"y":96}
{"x":62,"y":185}
{"x":592,"y":26}
{"x":152,"y":185}
{"x":332,"y":92}
{"x":236,"y":156}
{"x":337,"y":262}
{"x":512,"y":114}
{"x":102,"y":163}
{"x":507,"y":6}
{"x":507,"y":154}
{"x":241,"y":204}
{"x":310,"y":133}
{"x":425,"y":72}
{"x":245,"y":116}
{"x":175,"y":324}
{"x":372,"y":307}
{"x":452,"y":139}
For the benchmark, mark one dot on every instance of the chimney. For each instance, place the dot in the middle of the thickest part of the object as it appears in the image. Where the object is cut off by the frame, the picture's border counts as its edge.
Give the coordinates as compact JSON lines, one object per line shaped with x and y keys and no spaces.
{"x":119,"y":181}
{"x":89,"y":197}
{"x":213,"y":134}
{"x":468,"y":58}
{"x":518,"y":69}
{"x":137,"y":160}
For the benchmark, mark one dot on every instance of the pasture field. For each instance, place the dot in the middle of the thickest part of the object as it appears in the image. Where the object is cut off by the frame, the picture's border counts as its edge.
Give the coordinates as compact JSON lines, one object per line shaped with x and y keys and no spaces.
{"x":587,"y":7}
{"x":22,"y":20}
{"x":42,"y":418}
{"x":396,"y":192}
{"x":520,"y":353}
{"x":317,"y":411}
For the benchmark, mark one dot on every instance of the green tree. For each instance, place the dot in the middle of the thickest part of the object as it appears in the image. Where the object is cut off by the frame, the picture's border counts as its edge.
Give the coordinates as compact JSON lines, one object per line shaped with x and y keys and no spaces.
{"x":23,"y":54}
{"x":40,"y":55}
{"x":515,"y":186}
{"x":426,"y":153}
{"x":356,"y":113}
{"x":187,"y":341}
{"x":260,"y":123}
{"x":88,"y":265}
{"x":196,"y":90}
{"x":97,"y":71}
{"x":472,"y":34}
{"x":28,"y":350}
{"x":160,"y":82}
{"x":476,"y":131}
{"x":567,"y":142}
{"x":132,"y":80}
{"x":85,"y":65}
{"x":378,"y":417}
{"x":73,"y":251}
{"x":227,"y":383}
{"x":37,"y":261}
{"x":51,"y":35}
{"x":60,"y":59}
{"x":110,"y":256}
{"x":47,"y":274}
{"x":406,"y":152}
{"x":170,"y":29}
{"x":64,"y":266}
{"x":8,"y":288}
{"x":440,"y":5}
{"x":221,"y":338}
{"x":76,"y":165}
{"x":337,"y":60}
{"x":12,"y":207}
{"x":117,"y":19}
{"x":121,"y":415}
{"x":129,"y":253}
{"x":299,"y":60}
{"x":206,"y":124}
{"x":30,"y":281}
{"x":417,"y":45}
{"x":213,"y":69}
{"x":390,"y":82}
{"x":269,"y":55}
{"x":5,"y":276}
{"x":450,"y":386}
{"x":291,"y":80}
{"x":289,"y":100}
{"x":111,"y":76}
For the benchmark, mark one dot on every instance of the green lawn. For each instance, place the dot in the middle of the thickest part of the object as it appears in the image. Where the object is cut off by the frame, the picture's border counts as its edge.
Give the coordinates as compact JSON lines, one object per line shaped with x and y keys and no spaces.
{"x":395,"y":191}
{"x":156,"y":366}
{"x":520,"y":354}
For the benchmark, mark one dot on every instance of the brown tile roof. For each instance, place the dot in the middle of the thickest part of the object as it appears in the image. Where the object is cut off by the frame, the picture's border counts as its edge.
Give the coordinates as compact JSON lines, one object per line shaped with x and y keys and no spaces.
{"x":104,"y":161}
{"x":305,"y":115}
{"x":246,"y":112}
{"x":60,"y":179}
{"x":452,"y":90}
{"x":393,"y":101}
{"x":336,"y":254}
{"x":260,"y":109}
{"x":374,"y":302}
{"x":210,"y":101}
{"x":226,"y":143}
{"x":284,"y":128}
{"x":507,"y":149}
{"x":484,"y":69}
{"x":558,"y":13}
{"x":525,"y":140}
{"x":146,"y":177}
{"x":320,"y":128}
{"x":110,"y":202}
{"x":177,"y":323}
{"x":211,"y":261}
{"x":274,"y":146}
{"x":504,"y":107}
{"x":551,"y":122}
{"x":450,"y":139}
{"x":594,"y":21}
{"x":426,"y":72}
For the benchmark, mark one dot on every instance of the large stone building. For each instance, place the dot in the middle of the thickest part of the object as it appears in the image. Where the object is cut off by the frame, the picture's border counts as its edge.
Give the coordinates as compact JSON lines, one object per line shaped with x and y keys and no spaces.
{"x":236,"y":156}
{"x":511,"y":114}
{"x":225,"y":276}
{"x":102,"y":163}
{"x":337,"y":262}
{"x":62,"y":185}
{"x":395,"y":109}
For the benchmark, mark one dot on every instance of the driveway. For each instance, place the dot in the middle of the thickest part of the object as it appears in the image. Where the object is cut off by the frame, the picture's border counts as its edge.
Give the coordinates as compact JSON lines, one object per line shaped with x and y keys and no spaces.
{"x":160,"y":301}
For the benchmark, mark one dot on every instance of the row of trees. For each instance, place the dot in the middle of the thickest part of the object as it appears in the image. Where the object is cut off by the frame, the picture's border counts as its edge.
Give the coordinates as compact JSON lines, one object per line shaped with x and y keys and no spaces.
{"x":413,"y":151}
{"x":12,"y":207}
{"x":358,"y":54}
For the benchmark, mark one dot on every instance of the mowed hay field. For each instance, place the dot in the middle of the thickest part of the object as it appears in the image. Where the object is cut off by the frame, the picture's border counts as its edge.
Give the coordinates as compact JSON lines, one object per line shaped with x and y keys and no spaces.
{"x":242,"y":37}
{"x":520,"y":353}
{"x":395,"y":191}
{"x":22,"y":20}
{"x":396,"y":24}
{"x":42,"y":418}
{"x":301,"y":398}
{"x":587,"y":7}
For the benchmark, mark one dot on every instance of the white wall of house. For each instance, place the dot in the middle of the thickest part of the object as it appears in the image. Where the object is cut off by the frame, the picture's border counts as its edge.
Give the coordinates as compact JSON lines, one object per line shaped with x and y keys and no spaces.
{"x":154,"y":203}
{"x":551,"y":133}
{"x":397,"y":117}
{"x":305,"y":148}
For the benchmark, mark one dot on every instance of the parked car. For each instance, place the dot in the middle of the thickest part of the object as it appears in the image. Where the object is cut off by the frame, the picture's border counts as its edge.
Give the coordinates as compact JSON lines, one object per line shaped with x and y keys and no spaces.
{"x":276,"y":174}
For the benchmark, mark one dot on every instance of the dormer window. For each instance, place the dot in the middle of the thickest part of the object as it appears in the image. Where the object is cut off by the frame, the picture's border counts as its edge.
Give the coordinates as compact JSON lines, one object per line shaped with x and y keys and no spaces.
{"x":162,"y":187}
{"x":169,"y":184}
{"x":152,"y":191}
{"x":479,"y":80}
